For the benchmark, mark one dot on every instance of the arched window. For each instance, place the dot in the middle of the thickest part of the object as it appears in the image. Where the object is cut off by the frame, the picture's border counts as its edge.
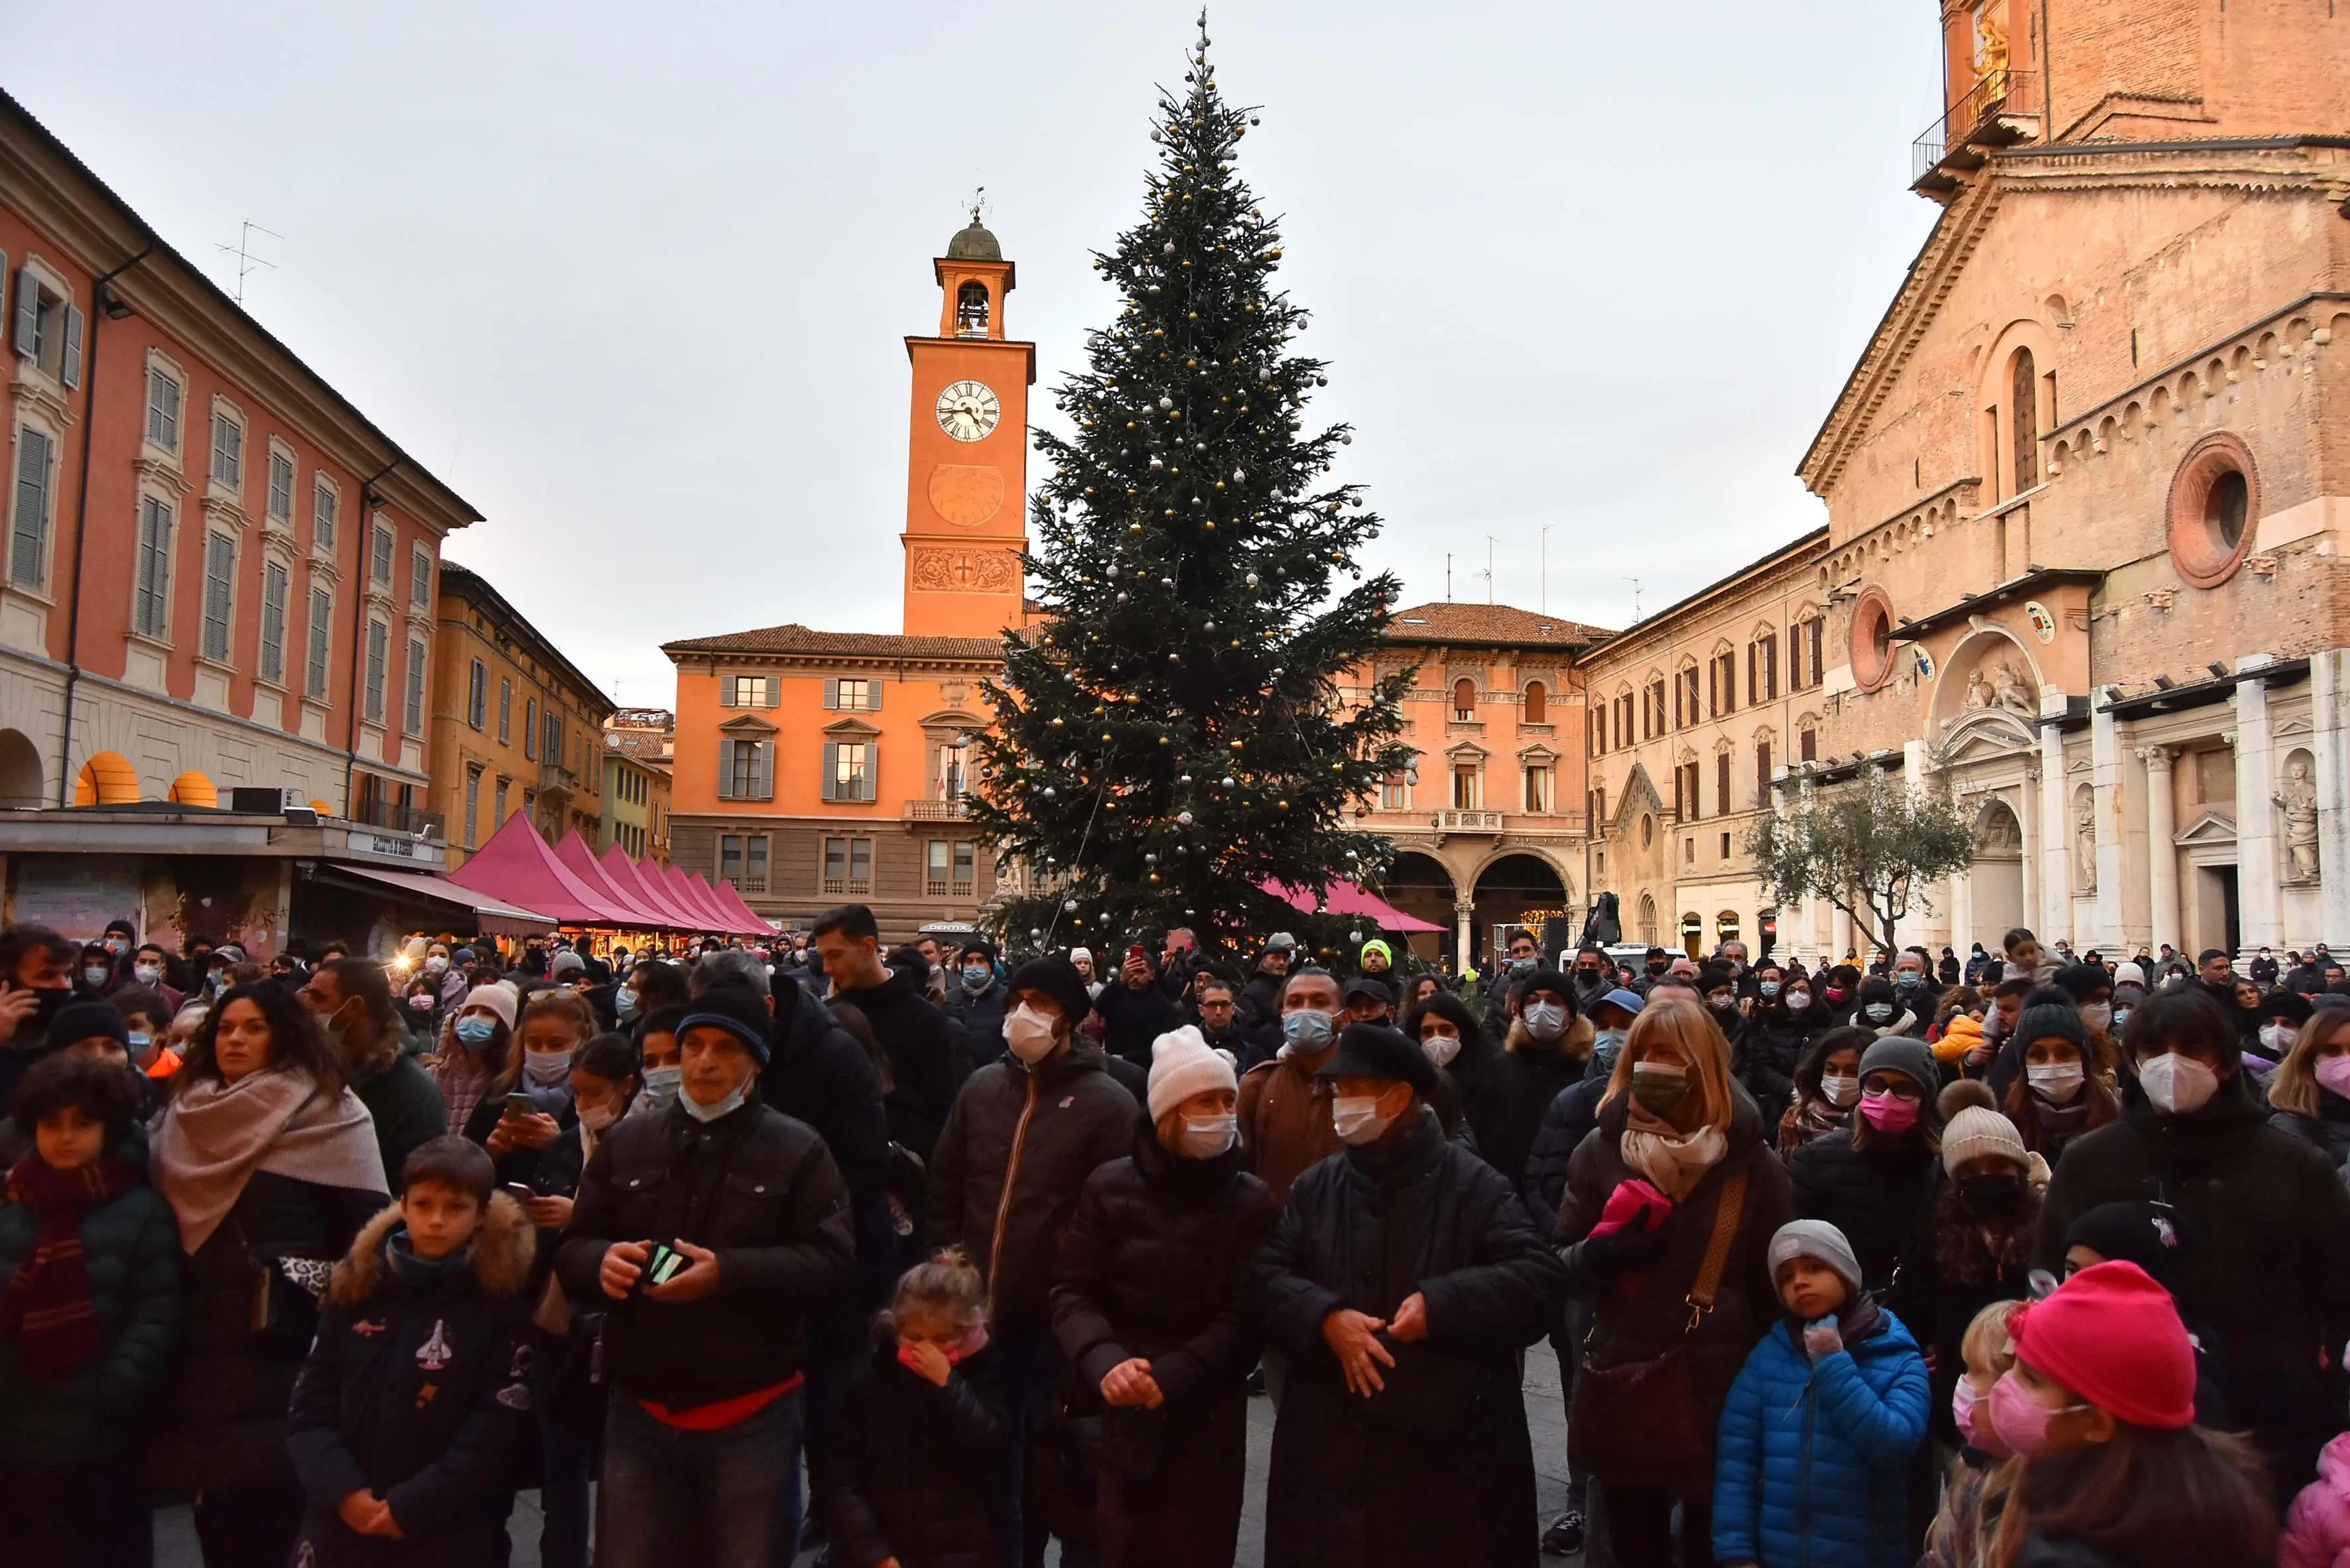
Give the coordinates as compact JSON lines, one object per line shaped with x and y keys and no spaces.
{"x":2023,"y":420}
{"x":971,"y":310}
{"x":1537,"y":708}
{"x":1464,"y":700}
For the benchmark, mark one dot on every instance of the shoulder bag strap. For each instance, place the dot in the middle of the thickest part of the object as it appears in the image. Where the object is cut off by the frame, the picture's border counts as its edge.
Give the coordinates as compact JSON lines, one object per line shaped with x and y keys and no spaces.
{"x":1716,"y":1249}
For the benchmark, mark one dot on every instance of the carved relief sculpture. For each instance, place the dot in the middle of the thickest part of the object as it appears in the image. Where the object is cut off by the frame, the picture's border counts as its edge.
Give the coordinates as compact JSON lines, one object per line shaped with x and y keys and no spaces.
{"x":1980,"y":695}
{"x":1991,"y":39}
{"x":2085,"y":849}
{"x":2298,"y":800}
{"x":2014,"y":695}
{"x":965,"y":571}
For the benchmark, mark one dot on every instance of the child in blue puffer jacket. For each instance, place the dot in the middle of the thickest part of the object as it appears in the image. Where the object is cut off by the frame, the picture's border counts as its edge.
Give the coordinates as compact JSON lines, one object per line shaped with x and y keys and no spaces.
{"x":1822,"y":1423}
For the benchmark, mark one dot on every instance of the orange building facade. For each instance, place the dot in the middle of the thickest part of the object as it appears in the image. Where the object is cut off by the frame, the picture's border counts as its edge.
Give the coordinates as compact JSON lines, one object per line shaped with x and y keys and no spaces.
{"x":219,"y":574}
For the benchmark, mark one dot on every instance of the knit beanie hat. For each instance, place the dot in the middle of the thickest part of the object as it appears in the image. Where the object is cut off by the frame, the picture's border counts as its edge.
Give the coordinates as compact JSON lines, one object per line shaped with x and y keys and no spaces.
{"x":2050,"y":1022}
{"x":2129,"y":973}
{"x":1977,"y":1131}
{"x":1182,"y":1064}
{"x":2112,"y":1336}
{"x":1902,"y":1053}
{"x":1818,"y":1239}
{"x":497,"y":996}
{"x":94,"y":1019}
{"x":1058,"y":977}
{"x":1379,"y":945}
{"x":738,"y":1010}
{"x":565,"y":962}
{"x":2083,"y":980}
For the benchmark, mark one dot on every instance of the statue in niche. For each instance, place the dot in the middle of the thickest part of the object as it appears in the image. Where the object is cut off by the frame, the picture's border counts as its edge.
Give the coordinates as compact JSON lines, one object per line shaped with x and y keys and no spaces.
{"x":2085,"y":848}
{"x":2014,"y":694}
{"x":2298,"y":800}
{"x":1991,"y":39}
{"x":1980,"y":695}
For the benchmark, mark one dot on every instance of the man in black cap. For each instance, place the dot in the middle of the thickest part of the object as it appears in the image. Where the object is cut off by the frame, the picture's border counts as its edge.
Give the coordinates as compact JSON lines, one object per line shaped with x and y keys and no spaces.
{"x":1367,"y":999}
{"x":977,"y":1000}
{"x":1402,"y":1282}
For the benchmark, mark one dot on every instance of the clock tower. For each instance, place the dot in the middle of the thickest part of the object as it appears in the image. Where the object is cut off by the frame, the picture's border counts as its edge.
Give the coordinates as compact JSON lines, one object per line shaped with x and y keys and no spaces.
{"x":967,"y":452}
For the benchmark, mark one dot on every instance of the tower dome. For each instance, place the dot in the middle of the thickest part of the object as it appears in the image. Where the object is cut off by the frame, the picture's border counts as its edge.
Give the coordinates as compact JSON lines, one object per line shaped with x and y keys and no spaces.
{"x":975,"y":243}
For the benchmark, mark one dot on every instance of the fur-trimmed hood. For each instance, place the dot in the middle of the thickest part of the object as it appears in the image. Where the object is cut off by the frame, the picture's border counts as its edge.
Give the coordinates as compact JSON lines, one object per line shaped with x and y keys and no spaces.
{"x":503,"y":1249}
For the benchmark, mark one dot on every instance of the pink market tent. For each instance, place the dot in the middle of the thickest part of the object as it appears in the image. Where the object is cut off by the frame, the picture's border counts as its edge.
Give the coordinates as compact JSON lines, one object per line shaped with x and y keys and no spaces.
{"x":630,"y":876}
{"x":518,"y":867}
{"x":680,"y":893}
{"x":1349,"y":898}
{"x":574,"y":853}
{"x":692,"y":893}
{"x":733,"y":900}
{"x":740,"y":921}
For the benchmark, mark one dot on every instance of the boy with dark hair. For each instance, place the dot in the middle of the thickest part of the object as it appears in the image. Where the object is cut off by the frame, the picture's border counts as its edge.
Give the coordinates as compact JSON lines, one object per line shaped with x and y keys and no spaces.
{"x":90,"y":1312}
{"x":417,"y":1393}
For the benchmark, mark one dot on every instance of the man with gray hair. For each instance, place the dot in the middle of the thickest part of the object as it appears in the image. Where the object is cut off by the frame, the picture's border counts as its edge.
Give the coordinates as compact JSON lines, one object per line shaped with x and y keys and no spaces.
{"x":732,"y":966}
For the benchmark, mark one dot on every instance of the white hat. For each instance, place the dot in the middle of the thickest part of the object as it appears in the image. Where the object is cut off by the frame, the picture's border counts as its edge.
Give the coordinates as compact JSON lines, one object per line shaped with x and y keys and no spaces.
{"x":2129,"y":973}
{"x":1979,"y":1130}
{"x":1183,"y":1064}
{"x":497,"y":996}
{"x":1081,"y":955}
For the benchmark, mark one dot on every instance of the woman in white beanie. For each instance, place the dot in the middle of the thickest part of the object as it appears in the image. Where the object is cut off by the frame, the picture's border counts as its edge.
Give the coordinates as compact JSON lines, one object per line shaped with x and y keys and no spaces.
{"x":477,"y":1057}
{"x":1976,"y":1246}
{"x":1150,"y":1307}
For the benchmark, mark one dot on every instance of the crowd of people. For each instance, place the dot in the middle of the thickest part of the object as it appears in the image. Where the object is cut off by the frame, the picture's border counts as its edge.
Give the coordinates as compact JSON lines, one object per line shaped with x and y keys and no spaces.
{"x":2022,"y":1259}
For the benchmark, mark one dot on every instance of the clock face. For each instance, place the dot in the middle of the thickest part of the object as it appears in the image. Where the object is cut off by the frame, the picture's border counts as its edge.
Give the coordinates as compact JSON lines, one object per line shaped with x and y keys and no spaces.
{"x":968,"y":410}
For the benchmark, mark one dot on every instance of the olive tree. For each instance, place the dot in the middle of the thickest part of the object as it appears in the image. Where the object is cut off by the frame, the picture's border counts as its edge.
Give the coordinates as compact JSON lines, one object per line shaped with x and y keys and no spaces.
{"x":1869,"y":848}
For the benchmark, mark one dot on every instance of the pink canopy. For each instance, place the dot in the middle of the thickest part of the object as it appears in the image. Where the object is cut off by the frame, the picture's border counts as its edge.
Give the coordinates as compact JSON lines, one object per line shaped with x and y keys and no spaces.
{"x":574,"y":853}
{"x":1350,"y":898}
{"x":671,"y":881}
{"x":731,"y":897}
{"x":721,"y":896}
{"x":692,"y":893}
{"x":650,"y":892}
{"x":518,"y":867}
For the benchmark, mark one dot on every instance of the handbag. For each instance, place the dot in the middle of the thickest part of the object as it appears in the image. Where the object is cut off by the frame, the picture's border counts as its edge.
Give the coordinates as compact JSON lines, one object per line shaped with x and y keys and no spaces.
{"x":1643,"y":1415}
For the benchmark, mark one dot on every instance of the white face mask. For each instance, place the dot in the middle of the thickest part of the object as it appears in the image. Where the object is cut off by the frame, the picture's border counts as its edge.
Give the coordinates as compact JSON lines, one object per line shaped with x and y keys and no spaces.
{"x":1442,"y":1048}
{"x":661,"y":1084}
{"x":2277,"y":1039}
{"x":1545,"y":1020}
{"x":149,"y":973}
{"x":596,"y":1118}
{"x":1878,"y":1011}
{"x":2178,"y":1084}
{"x":1205,"y":1138}
{"x":1029,"y":1033}
{"x":1839,"y":1092}
{"x":2058,"y":1083}
{"x":1357,"y":1119}
{"x":547,"y":1068}
{"x":436,"y":965}
{"x":727,"y":1106}
{"x":2098,"y":1015}
{"x":1798,"y":1001}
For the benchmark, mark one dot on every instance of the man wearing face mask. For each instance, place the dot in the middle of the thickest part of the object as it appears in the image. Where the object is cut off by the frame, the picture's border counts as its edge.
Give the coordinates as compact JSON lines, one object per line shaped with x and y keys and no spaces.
{"x":1547,"y":1048}
{"x":1025,"y":1134}
{"x":704,"y":1363}
{"x":1401,"y":1284}
{"x":352,"y":1001}
{"x":1591,"y":978}
{"x":1522,"y":955}
{"x":1284,"y":1109}
{"x":977,"y":1000}
{"x":2269,"y":1270}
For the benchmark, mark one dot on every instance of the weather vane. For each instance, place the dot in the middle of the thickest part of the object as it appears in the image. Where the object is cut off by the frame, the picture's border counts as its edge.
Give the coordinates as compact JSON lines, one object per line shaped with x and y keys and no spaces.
{"x":978,"y":204}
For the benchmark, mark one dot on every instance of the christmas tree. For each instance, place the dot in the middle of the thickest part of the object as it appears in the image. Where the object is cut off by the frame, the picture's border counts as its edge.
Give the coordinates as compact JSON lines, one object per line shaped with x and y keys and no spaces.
{"x":1175,"y":736}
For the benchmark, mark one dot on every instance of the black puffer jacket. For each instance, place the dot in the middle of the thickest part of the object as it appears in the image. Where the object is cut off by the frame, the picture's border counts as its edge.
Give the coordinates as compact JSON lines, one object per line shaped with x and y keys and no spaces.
{"x":1572,"y":1116}
{"x":904,"y":1472}
{"x":1639,"y":1327}
{"x":221,"y":1423}
{"x":822,"y":1076}
{"x":2264,"y":1223}
{"x":1524,"y":1084}
{"x":1775,"y":1041}
{"x":1040,"y":1132}
{"x":1155,"y":1264}
{"x":927,"y":1066}
{"x":756,"y":1187}
{"x":1877,"y":1196}
{"x":1437,"y":1466}
{"x":2329,"y":1129}
{"x":1132,"y":1019}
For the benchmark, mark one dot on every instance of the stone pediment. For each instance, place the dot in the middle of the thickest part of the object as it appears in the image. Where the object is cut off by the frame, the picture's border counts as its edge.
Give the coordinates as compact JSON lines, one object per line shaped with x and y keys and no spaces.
{"x":1982,"y":734}
{"x":2210,"y":828}
{"x":746,"y":724}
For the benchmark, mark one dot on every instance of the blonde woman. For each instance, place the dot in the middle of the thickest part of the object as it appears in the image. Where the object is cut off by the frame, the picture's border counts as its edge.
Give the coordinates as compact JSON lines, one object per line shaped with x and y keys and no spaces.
{"x":1680,"y":1153}
{"x":2310,"y":1095}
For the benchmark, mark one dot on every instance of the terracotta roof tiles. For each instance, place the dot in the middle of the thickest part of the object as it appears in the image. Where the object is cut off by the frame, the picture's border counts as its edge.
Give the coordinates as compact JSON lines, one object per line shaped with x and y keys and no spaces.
{"x":1500,"y":626}
{"x":796,"y":639}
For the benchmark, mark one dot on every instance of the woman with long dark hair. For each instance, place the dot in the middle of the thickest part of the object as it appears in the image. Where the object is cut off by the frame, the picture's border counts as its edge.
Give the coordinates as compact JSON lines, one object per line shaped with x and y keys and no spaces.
{"x":270,"y":1167}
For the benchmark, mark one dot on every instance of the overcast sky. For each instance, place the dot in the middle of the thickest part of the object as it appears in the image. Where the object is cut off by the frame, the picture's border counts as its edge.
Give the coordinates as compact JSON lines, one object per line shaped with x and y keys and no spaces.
{"x":634,"y":281}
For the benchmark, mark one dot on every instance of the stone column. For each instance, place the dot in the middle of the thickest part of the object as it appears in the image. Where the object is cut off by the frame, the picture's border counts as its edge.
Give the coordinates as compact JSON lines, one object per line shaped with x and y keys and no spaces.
{"x":2054,"y":919}
{"x":2027,"y":817}
{"x":2105,"y":783}
{"x":1465,"y":912}
{"x":2329,"y":743}
{"x":2261,"y":919}
{"x":1962,"y":914}
{"x":1840,"y":936}
{"x":2162,"y":854}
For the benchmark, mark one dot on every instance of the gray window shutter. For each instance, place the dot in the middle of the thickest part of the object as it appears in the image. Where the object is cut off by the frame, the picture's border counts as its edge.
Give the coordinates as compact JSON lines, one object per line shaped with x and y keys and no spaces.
{"x":725,"y":770}
{"x":872,"y":784}
{"x":726,"y":691}
{"x":873,"y":696}
{"x":770,"y":692}
{"x":831,"y":780}
{"x":69,"y":370}
{"x":28,"y":313}
{"x":831,"y":697}
{"x":762,"y":771}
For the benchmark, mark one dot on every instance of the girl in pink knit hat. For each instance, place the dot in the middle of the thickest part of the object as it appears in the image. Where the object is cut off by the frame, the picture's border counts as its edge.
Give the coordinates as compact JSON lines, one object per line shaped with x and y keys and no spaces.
{"x":2112,"y":1470}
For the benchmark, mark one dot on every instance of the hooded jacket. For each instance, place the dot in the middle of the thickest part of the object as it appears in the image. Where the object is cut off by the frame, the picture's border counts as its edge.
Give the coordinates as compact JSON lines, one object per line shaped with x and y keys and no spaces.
{"x":2266,"y":1264}
{"x":1437,"y":1466}
{"x":755,"y":1186}
{"x":1012,"y":1162}
{"x":419,"y":1392}
{"x":1813,"y":1452}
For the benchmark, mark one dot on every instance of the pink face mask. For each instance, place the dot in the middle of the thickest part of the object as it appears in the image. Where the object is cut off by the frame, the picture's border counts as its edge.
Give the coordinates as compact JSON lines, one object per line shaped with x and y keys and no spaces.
{"x":2333,"y":1072}
{"x":2022,"y":1421}
{"x":1888,"y":1112}
{"x":972,"y":1343}
{"x":1978,"y":1434}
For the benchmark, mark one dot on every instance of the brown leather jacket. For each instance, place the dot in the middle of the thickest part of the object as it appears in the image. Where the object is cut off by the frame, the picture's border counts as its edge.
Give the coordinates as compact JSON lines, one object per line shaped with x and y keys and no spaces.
{"x":1285,"y":1122}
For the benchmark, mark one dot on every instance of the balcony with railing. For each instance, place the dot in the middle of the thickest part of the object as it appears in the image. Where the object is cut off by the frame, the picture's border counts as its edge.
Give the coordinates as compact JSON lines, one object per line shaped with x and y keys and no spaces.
{"x":394,"y":817}
{"x":953,"y":810}
{"x":2001,"y":109}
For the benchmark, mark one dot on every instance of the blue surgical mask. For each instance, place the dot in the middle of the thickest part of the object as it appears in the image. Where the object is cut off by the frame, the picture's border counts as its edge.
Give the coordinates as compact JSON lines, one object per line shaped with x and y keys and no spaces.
{"x":624,"y":1003}
{"x":1769,"y":987}
{"x":727,"y":1106}
{"x":978,"y":977}
{"x":661,"y":1084}
{"x":475,"y":1034}
{"x":1304,"y":1031}
{"x":1606,"y":1043}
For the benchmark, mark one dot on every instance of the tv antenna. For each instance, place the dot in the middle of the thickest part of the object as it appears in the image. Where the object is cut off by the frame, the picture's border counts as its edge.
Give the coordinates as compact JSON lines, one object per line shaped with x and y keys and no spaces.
{"x":1636,"y":600}
{"x":1489,"y":568}
{"x":246,"y":262}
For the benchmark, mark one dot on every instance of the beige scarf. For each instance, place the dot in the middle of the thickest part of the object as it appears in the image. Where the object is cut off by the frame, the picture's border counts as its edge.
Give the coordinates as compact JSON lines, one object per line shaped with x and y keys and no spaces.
{"x":215,"y":1135}
{"x":1674,"y":1161}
